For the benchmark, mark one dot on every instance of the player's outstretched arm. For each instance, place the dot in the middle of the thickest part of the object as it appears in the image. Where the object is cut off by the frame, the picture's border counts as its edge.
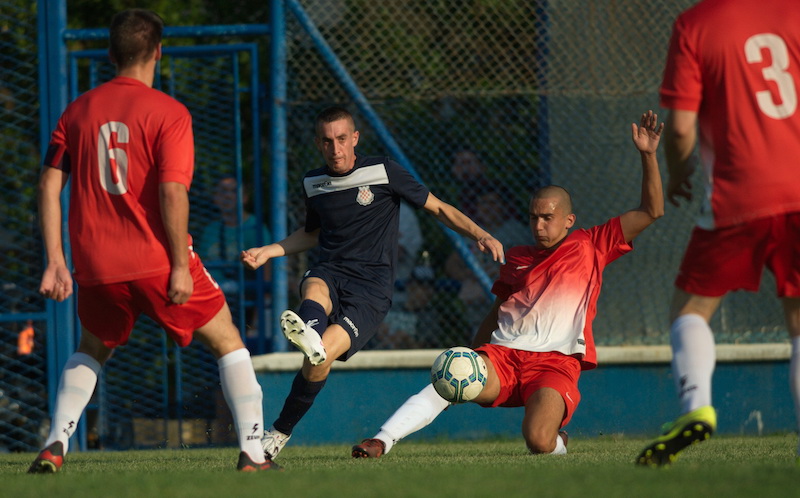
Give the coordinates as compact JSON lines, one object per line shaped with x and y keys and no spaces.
{"x":646,"y":137}
{"x":680,"y":136}
{"x":56,"y":280}
{"x":298,"y":241}
{"x":458,"y":221}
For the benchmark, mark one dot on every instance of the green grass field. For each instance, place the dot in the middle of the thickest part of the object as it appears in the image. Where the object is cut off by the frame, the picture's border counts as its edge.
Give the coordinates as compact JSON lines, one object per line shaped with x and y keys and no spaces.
{"x":599,"y":467}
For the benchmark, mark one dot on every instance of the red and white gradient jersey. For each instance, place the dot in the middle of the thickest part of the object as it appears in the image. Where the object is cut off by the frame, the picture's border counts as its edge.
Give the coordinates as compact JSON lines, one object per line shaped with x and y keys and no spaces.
{"x":737,"y":64}
{"x":551,"y":296}
{"x":119,"y":141}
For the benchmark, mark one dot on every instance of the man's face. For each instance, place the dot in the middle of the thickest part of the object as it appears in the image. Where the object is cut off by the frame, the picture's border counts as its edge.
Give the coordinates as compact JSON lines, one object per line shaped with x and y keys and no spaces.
{"x":549,"y":221}
{"x":225,"y":195}
{"x":337,"y":141}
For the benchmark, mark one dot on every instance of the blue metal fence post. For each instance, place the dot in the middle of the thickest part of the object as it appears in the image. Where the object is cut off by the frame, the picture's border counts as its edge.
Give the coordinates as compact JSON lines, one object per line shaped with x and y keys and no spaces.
{"x":61,"y":321}
{"x":277,"y":106}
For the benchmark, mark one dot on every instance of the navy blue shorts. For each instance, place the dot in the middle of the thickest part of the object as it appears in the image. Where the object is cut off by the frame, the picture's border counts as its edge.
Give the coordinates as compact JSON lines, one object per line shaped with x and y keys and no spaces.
{"x":359,"y":306}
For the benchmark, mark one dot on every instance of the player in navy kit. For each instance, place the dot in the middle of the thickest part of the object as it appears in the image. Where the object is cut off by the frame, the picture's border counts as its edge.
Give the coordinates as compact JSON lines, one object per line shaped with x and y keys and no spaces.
{"x":352,"y":213}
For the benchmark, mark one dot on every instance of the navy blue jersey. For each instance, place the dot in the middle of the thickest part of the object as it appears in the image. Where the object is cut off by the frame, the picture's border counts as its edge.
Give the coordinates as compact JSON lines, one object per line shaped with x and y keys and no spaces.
{"x":358,"y":216}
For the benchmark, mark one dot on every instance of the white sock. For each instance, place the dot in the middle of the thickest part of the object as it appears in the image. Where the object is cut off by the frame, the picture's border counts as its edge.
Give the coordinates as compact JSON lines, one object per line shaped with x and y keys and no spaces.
{"x":794,"y":382}
{"x":417,"y":412}
{"x":693,"y":361}
{"x":243,"y":394}
{"x":75,"y":389}
{"x":561,"y":448}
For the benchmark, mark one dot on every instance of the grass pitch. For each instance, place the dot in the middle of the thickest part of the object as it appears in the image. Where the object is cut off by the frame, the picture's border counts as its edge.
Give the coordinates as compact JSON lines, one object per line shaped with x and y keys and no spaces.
{"x":598,"y":467}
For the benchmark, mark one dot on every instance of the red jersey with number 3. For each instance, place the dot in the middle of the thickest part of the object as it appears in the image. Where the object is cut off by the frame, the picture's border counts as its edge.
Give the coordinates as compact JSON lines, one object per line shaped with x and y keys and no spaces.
{"x":118,"y":142}
{"x":737,"y":63}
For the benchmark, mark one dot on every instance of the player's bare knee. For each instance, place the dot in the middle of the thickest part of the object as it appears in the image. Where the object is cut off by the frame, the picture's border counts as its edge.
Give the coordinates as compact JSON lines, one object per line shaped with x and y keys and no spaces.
{"x":540,"y":444}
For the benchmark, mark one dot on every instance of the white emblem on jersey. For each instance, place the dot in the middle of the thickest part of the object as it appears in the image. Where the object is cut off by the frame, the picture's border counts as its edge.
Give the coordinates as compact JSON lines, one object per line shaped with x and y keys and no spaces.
{"x":522,"y":267}
{"x":365,"y":196}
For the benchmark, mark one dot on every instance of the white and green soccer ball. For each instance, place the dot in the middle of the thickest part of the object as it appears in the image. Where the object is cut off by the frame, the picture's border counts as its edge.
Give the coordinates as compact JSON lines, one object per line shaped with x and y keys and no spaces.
{"x":458,"y":374}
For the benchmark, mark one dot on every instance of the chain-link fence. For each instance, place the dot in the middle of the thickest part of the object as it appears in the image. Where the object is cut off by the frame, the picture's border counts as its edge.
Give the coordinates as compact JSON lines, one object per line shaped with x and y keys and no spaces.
{"x":490,"y":100}
{"x":23,"y":399}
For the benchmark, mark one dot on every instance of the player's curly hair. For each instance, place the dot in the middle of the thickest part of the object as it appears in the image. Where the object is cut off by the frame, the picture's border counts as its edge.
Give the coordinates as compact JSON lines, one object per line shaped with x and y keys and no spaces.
{"x":133,"y":36}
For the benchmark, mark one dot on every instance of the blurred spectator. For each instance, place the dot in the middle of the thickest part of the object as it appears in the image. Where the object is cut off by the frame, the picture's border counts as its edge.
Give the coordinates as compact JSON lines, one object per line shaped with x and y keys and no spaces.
{"x":219,"y":245}
{"x":469,"y":172}
{"x":414,"y":318}
{"x":492,"y":214}
{"x":409,"y":241}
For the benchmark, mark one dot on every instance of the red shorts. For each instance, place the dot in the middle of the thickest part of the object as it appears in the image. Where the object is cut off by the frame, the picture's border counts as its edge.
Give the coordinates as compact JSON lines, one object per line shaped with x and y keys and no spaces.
{"x":109,"y":311}
{"x":522,"y":373}
{"x":733,"y":258}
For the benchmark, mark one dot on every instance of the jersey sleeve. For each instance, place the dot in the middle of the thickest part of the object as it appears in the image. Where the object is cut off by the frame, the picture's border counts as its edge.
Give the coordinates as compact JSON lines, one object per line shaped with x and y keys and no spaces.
{"x":405,"y":185}
{"x":609,"y":241}
{"x":682,"y":86}
{"x":57,"y":155}
{"x":175,"y":152}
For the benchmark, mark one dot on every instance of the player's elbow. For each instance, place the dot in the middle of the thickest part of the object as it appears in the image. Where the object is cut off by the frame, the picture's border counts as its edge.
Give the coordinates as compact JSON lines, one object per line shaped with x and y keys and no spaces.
{"x":655,"y":212}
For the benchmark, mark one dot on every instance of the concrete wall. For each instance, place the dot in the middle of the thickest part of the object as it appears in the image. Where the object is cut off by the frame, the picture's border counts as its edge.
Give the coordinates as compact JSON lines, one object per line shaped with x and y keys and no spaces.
{"x":631,"y":393}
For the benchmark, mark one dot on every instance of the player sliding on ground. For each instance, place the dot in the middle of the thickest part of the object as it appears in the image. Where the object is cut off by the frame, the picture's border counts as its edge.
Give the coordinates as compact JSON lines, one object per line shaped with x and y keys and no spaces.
{"x":352,"y":210}
{"x":537,"y":337}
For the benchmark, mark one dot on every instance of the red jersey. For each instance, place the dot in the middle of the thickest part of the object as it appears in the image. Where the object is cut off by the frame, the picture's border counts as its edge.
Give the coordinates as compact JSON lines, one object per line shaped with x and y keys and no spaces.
{"x":119,"y":141}
{"x":551,"y":295}
{"x":737,"y":64}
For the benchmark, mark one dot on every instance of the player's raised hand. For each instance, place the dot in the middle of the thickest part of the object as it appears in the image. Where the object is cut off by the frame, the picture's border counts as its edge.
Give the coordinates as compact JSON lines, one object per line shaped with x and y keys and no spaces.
{"x":647,"y":135}
{"x":493,"y":246}
{"x":254,"y":257}
{"x":56,"y":283}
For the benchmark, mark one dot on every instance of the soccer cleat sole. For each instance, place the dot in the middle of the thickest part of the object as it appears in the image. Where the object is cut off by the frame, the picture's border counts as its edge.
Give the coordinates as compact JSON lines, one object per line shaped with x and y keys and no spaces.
{"x":664,"y":452}
{"x":294,"y":330}
{"x":247,"y":465}
{"x":49,"y":460}
{"x":362,"y":450}
{"x":43,"y":467}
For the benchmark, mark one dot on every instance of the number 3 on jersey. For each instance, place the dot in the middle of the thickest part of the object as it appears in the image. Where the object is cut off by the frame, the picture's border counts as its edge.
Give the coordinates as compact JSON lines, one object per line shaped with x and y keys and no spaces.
{"x":113,"y":161}
{"x":787,"y":93}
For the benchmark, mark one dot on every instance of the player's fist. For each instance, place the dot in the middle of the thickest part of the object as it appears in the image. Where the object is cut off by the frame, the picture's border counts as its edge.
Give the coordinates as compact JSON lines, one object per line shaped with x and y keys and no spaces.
{"x":56,"y":283}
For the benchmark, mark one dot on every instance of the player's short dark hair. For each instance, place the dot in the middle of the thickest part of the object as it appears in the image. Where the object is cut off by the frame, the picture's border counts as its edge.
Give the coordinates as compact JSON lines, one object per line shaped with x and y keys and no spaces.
{"x":331,"y":114}
{"x":134,"y":35}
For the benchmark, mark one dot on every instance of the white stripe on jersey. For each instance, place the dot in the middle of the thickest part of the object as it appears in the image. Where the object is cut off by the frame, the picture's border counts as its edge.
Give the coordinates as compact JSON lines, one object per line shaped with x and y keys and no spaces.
{"x":325,"y":184}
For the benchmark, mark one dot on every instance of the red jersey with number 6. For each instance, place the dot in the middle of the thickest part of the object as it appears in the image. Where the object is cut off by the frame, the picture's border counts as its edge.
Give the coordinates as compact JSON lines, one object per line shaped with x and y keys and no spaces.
{"x":118,"y":142}
{"x":737,"y":63}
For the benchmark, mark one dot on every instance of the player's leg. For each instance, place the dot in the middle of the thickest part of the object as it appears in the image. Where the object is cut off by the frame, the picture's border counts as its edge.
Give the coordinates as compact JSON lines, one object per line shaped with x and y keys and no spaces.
{"x":791,"y":310}
{"x":693,"y":353}
{"x":544,"y":413}
{"x":206,"y":317}
{"x":693,"y":362}
{"x":307,"y":384}
{"x":305,"y":328}
{"x":548,"y":384}
{"x":241,"y":389}
{"x":75,"y":389}
{"x":416,"y":413}
{"x":107,"y":317}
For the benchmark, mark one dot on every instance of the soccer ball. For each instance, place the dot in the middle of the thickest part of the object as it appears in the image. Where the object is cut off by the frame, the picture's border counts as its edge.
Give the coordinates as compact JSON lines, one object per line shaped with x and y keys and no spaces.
{"x":458,"y":374}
